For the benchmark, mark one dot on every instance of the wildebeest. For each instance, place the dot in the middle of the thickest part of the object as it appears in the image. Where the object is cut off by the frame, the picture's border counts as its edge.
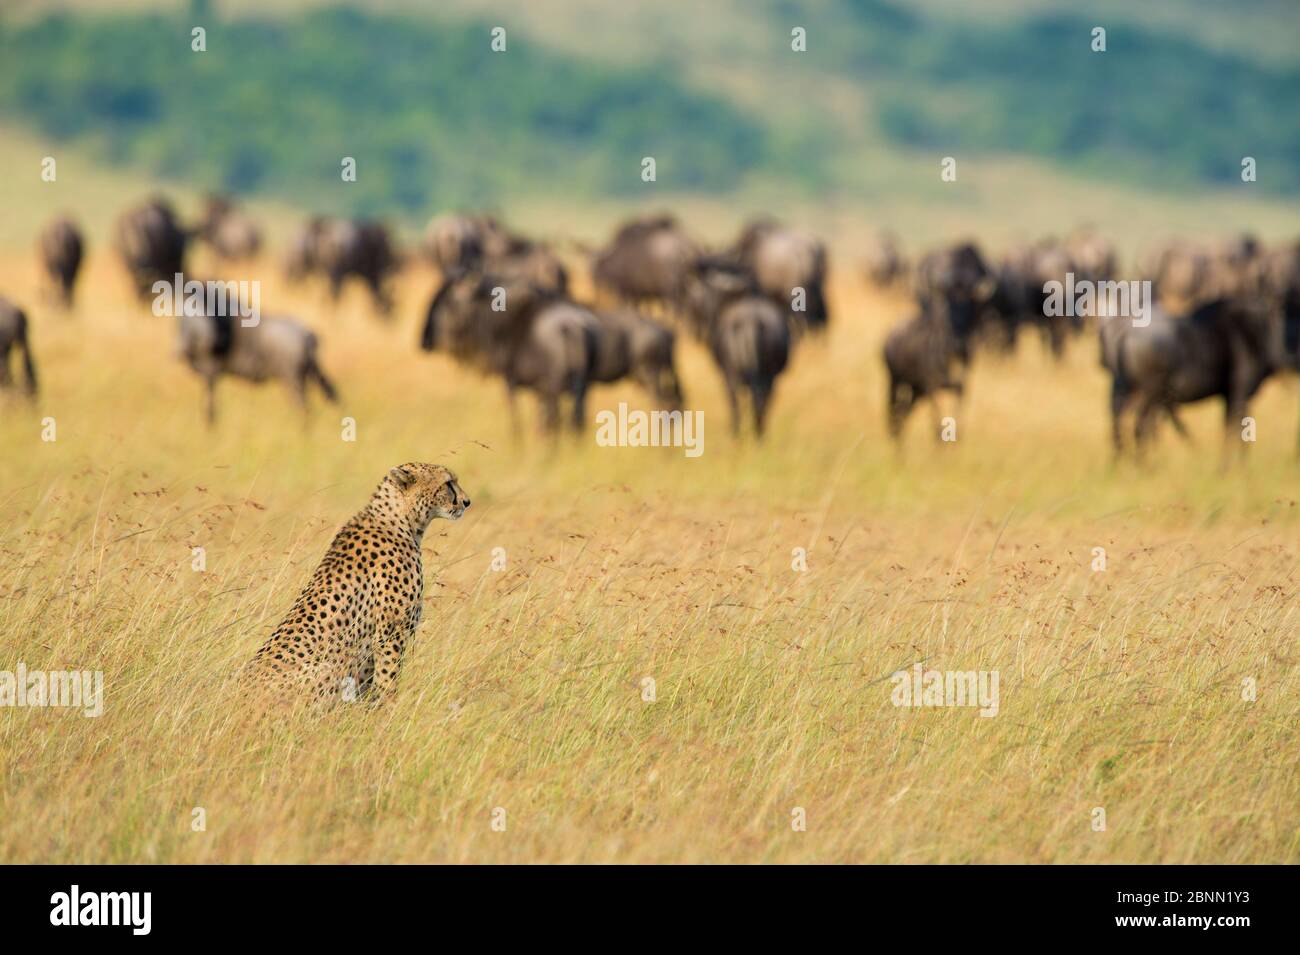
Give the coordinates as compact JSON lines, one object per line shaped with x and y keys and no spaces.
{"x":152,"y":244}
{"x":958,"y":270}
{"x":789,"y":267}
{"x":959,"y":273}
{"x":1185,"y":274}
{"x":1110,"y":332}
{"x":275,"y":347}
{"x":1277,"y":280}
{"x":361,"y":249}
{"x":454,"y":242}
{"x":523,"y":333}
{"x":1225,"y":348}
{"x":528,"y":261}
{"x":746,"y":332}
{"x":231,"y":233}
{"x":339,"y":249}
{"x":1021,"y":293}
{"x":301,"y":258}
{"x":13,"y":336}
{"x":631,"y":345}
{"x":646,"y":263}
{"x":457,"y":242}
{"x":1092,"y":255}
{"x":883,"y":261}
{"x":62,"y":249}
{"x":929,"y":353}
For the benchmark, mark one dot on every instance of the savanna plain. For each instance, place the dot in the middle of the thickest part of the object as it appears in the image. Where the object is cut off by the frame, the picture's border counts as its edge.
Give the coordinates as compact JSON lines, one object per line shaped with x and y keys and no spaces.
{"x":1123,"y":689}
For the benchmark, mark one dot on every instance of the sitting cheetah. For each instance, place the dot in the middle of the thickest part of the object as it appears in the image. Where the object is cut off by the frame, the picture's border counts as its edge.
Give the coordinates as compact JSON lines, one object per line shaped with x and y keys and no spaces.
{"x":344,"y":638}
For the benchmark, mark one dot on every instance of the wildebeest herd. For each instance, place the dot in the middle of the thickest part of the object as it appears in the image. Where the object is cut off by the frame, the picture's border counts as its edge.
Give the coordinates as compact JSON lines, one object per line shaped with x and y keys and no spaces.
{"x":1220,"y":319}
{"x":1218,"y":322}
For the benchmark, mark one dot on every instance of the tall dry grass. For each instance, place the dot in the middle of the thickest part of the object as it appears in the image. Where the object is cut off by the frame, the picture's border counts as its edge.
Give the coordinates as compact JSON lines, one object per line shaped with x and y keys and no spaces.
{"x":524,"y":689}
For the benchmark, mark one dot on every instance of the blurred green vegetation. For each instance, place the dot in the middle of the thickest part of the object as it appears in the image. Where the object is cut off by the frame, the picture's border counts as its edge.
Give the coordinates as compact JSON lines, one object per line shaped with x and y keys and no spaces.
{"x":432,"y":116}
{"x":1154,"y":108}
{"x":435,"y":119}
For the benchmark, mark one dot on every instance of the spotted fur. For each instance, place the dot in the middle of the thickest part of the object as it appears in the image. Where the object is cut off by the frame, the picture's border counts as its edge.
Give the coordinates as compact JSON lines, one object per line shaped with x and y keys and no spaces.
{"x":346,"y":634}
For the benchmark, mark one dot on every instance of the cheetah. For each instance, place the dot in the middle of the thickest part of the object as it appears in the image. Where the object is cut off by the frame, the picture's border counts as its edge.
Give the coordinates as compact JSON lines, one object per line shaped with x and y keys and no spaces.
{"x":344,"y":638}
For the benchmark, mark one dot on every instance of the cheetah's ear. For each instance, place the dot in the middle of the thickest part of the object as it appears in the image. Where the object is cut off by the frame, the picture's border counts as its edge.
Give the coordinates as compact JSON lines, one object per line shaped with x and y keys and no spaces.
{"x":402,"y":476}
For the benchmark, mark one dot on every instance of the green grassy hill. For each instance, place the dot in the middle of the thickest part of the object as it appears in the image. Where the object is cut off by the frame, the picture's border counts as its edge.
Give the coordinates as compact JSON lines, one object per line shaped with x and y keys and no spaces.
{"x":1144,"y":139}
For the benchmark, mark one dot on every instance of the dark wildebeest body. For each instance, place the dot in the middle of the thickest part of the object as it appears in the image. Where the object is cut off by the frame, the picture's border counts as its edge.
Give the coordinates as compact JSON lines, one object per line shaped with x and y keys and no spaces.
{"x":458,"y":243}
{"x":278,"y":348}
{"x":929,"y":354}
{"x":630,"y":345}
{"x":532,"y":263}
{"x":646,"y":263}
{"x":340,"y":249}
{"x":1226,"y":348}
{"x":1276,"y":277}
{"x":1021,"y":296}
{"x":789,"y":268}
{"x":302,"y":258}
{"x":1184,"y":275}
{"x":232,"y":234}
{"x":884,"y":262}
{"x":152,"y":244}
{"x":13,"y":336}
{"x":531,"y":340}
{"x":1093,"y":256}
{"x":958,"y":270}
{"x":62,"y":249}
{"x":1110,"y":332}
{"x":747,"y":334}
{"x":454,"y":242}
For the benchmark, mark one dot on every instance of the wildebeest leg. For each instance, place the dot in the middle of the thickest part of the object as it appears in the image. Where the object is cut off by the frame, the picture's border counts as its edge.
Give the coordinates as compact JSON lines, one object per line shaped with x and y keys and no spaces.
{"x":900,"y":400}
{"x":1177,"y":422}
{"x":29,"y":365}
{"x":211,"y":382}
{"x":1143,"y":426}
{"x":314,"y":372}
{"x":513,"y":405}
{"x":732,"y":384}
{"x":1119,"y":400}
{"x":550,"y":407}
{"x":1234,"y":410}
{"x":936,"y":415}
{"x":1056,"y":335}
{"x":579,"y":391}
{"x":298,"y":385}
{"x":760,"y":394}
{"x":6,"y":379}
{"x":670,"y":389}
{"x":383,"y":300}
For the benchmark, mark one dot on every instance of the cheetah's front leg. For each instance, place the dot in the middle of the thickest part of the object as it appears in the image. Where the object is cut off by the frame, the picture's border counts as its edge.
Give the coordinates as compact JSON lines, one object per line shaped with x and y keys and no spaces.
{"x":390,"y":645}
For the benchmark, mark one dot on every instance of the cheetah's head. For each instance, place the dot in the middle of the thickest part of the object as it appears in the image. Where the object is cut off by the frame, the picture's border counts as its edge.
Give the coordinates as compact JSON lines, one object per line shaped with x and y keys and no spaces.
{"x":428,"y":491}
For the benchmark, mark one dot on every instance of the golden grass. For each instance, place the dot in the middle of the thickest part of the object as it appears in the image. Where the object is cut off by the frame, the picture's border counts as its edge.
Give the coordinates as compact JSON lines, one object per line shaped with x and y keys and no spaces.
{"x":1119,"y":689}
